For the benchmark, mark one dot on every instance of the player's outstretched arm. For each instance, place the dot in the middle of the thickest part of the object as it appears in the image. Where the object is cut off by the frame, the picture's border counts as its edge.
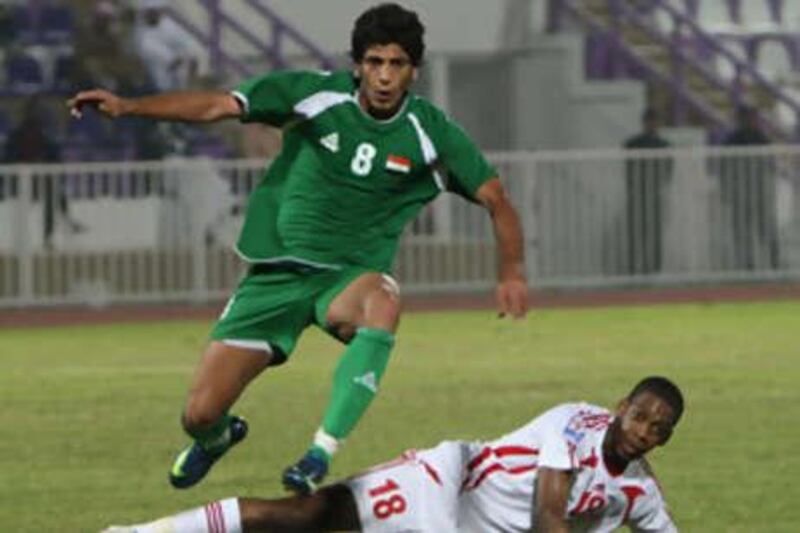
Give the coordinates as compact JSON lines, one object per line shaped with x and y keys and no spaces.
{"x":512,"y":288}
{"x":550,"y":506}
{"x":189,"y":106}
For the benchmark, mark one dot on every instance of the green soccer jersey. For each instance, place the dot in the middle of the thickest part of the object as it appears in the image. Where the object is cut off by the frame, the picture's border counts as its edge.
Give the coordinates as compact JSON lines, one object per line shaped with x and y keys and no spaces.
{"x":345,"y":184}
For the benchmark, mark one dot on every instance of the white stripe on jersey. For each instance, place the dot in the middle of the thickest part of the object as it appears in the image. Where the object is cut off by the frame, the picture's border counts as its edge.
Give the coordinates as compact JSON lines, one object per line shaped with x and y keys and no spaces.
{"x":428,"y":149}
{"x":319,"y":102}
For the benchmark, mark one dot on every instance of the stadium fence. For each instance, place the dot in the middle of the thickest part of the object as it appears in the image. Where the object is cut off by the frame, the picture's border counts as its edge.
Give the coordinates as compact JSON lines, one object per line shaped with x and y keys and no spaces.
{"x":100,"y":233}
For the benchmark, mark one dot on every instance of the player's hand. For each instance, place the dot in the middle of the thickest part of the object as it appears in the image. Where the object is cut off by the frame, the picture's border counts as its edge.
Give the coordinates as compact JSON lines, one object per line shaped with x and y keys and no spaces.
{"x":512,"y":297}
{"x":104,"y":101}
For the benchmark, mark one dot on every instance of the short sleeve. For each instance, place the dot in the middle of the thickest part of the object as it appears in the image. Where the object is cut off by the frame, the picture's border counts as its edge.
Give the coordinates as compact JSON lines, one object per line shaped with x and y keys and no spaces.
{"x":651,"y":515}
{"x":271,"y":99}
{"x":467,"y":168}
{"x":555,"y":450}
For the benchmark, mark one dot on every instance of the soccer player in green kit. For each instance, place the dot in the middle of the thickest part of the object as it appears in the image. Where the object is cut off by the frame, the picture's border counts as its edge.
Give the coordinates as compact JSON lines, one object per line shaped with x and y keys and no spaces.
{"x":361,"y":156}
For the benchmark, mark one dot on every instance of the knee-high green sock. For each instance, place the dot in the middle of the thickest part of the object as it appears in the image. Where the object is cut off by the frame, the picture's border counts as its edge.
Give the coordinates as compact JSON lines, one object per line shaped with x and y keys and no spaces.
{"x":355,"y":383}
{"x":216,"y":438}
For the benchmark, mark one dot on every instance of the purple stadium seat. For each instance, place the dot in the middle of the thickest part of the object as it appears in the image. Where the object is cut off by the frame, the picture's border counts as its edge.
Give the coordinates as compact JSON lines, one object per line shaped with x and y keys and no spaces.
{"x":5,"y":127}
{"x":23,"y":74}
{"x":91,"y":128}
{"x":24,"y":27}
{"x":56,"y":24}
{"x":62,"y":74}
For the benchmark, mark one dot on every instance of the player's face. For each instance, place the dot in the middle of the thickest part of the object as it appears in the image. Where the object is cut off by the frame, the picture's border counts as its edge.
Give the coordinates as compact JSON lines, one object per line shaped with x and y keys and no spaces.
{"x":642,"y":423}
{"x":386,"y":73}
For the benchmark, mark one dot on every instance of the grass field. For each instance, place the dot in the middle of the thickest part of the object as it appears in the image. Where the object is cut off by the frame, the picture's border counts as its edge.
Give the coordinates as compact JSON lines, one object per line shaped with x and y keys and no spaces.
{"x":89,"y":418}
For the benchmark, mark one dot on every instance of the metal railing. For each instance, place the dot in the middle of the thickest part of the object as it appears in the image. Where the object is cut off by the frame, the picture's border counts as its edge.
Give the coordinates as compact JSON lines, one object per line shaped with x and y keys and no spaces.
{"x":159,"y":232}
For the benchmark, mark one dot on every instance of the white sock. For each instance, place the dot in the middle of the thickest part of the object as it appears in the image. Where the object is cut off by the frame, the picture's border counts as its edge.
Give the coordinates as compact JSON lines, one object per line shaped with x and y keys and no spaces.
{"x":327,"y":442}
{"x":216,"y":517}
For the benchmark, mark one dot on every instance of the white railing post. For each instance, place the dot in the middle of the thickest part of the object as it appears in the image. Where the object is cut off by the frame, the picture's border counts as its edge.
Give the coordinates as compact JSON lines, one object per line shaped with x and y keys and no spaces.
{"x":22,"y":241}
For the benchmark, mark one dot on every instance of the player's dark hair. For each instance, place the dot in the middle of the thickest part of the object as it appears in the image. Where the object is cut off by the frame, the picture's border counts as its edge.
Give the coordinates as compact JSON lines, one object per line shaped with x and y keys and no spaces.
{"x":664,"y":389}
{"x":388,"y":24}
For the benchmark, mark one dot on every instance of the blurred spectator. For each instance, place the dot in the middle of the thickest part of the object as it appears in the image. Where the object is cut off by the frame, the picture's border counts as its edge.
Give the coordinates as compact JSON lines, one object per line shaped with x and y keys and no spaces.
{"x":169,"y":53}
{"x":747,"y":187}
{"x":29,"y":142}
{"x":104,"y":59}
{"x":646,"y":178}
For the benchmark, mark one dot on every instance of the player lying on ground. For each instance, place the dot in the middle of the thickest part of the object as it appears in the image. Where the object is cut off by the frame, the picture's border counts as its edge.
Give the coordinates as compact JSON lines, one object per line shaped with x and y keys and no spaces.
{"x":361,"y":156}
{"x":575,"y":467}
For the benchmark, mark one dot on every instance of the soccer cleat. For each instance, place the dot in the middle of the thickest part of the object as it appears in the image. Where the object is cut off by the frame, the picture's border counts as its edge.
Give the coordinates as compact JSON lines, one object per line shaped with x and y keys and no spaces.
{"x":194,"y":462}
{"x":305,"y":476}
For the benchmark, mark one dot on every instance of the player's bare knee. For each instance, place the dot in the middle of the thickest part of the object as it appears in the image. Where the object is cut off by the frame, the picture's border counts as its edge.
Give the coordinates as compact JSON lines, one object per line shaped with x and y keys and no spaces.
{"x":382,"y":308}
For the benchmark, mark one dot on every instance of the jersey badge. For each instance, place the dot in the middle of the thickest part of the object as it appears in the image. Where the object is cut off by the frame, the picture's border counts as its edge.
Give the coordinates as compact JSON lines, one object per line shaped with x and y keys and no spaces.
{"x":398,"y":163}
{"x":331,"y":141}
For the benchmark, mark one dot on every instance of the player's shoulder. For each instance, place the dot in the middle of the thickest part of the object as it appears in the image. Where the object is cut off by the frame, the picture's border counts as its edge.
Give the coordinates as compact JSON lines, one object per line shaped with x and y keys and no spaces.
{"x":577,"y":411}
{"x":340,"y":80}
{"x":576,"y":421}
{"x":428,"y":113}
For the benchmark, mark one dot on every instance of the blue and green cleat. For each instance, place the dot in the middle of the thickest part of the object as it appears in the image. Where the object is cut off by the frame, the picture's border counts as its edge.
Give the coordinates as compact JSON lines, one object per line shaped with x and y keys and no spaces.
{"x":194,"y":462}
{"x":305,"y":476}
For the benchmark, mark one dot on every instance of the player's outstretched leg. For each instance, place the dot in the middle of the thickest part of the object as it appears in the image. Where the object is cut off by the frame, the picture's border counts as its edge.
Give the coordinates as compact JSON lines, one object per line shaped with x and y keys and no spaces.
{"x":194,"y":462}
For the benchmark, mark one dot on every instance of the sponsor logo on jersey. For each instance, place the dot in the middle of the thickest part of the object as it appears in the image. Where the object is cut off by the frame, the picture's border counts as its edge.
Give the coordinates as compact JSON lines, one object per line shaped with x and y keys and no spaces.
{"x":331,"y":141}
{"x":368,"y":380}
{"x":398,"y":163}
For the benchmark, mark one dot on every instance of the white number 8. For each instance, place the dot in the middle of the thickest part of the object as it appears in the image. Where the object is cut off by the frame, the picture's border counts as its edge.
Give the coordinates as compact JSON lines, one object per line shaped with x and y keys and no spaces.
{"x":361,"y":164}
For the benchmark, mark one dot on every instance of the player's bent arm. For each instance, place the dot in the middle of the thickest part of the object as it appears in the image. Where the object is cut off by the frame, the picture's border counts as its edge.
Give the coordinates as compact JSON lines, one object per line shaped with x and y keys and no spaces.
{"x":550,"y":507}
{"x":512,"y":288}
{"x":188,"y":106}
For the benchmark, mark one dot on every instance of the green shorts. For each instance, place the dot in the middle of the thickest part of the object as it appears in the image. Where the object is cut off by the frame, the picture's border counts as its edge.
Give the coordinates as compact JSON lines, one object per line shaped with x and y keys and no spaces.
{"x":273,"y":305}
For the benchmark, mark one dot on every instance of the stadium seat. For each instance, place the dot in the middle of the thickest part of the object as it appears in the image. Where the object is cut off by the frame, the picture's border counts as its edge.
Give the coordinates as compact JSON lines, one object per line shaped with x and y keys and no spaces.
{"x":24,"y":27}
{"x":755,"y":16}
{"x":774,"y":60}
{"x":714,"y":16}
{"x":90,"y":128}
{"x":722,"y":64}
{"x":62,"y":74}
{"x":23,"y":74}
{"x":5,"y":127}
{"x":790,"y":15}
{"x":56,"y":24}
{"x":786,"y":116}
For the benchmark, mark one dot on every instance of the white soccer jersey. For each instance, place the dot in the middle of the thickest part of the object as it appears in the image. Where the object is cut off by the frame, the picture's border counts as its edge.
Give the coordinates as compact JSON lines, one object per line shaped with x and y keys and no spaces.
{"x":499,"y":480}
{"x":489,"y":487}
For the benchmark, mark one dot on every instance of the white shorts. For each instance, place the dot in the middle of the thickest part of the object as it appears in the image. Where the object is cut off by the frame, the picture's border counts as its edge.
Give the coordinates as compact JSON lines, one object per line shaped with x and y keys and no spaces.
{"x":418,"y":492}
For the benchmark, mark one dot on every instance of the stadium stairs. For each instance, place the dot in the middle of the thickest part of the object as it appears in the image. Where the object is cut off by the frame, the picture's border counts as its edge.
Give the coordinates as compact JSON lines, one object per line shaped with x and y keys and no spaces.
{"x":701,"y":65}
{"x":245,"y":51}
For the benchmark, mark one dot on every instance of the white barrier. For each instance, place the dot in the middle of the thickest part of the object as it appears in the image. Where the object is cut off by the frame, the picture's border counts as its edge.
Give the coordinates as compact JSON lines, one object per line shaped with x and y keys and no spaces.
{"x":126,"y":232}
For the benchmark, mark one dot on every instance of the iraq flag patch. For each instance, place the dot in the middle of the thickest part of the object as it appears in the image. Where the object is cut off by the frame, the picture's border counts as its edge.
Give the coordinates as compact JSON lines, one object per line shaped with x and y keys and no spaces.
{"x":398,"y":163}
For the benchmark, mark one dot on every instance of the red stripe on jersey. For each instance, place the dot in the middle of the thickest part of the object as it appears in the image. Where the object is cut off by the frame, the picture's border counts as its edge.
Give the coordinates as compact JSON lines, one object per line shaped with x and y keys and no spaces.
{"x":432,"y":472}
{"x":503,"y":451}
{"x":521,"y":469}
{"x":631,"y":493}
{"x":494,"y":468}
{"x":481,"y":457}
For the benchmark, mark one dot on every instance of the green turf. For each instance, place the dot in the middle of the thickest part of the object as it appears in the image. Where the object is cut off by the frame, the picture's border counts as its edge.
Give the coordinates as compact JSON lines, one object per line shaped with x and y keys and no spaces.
{"x":89,"y":418}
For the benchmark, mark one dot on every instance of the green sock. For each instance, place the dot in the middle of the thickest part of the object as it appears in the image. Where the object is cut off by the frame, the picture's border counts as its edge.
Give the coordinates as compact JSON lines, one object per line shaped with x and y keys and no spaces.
{"x":216,"y":438}
{"x":356,"y":380}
